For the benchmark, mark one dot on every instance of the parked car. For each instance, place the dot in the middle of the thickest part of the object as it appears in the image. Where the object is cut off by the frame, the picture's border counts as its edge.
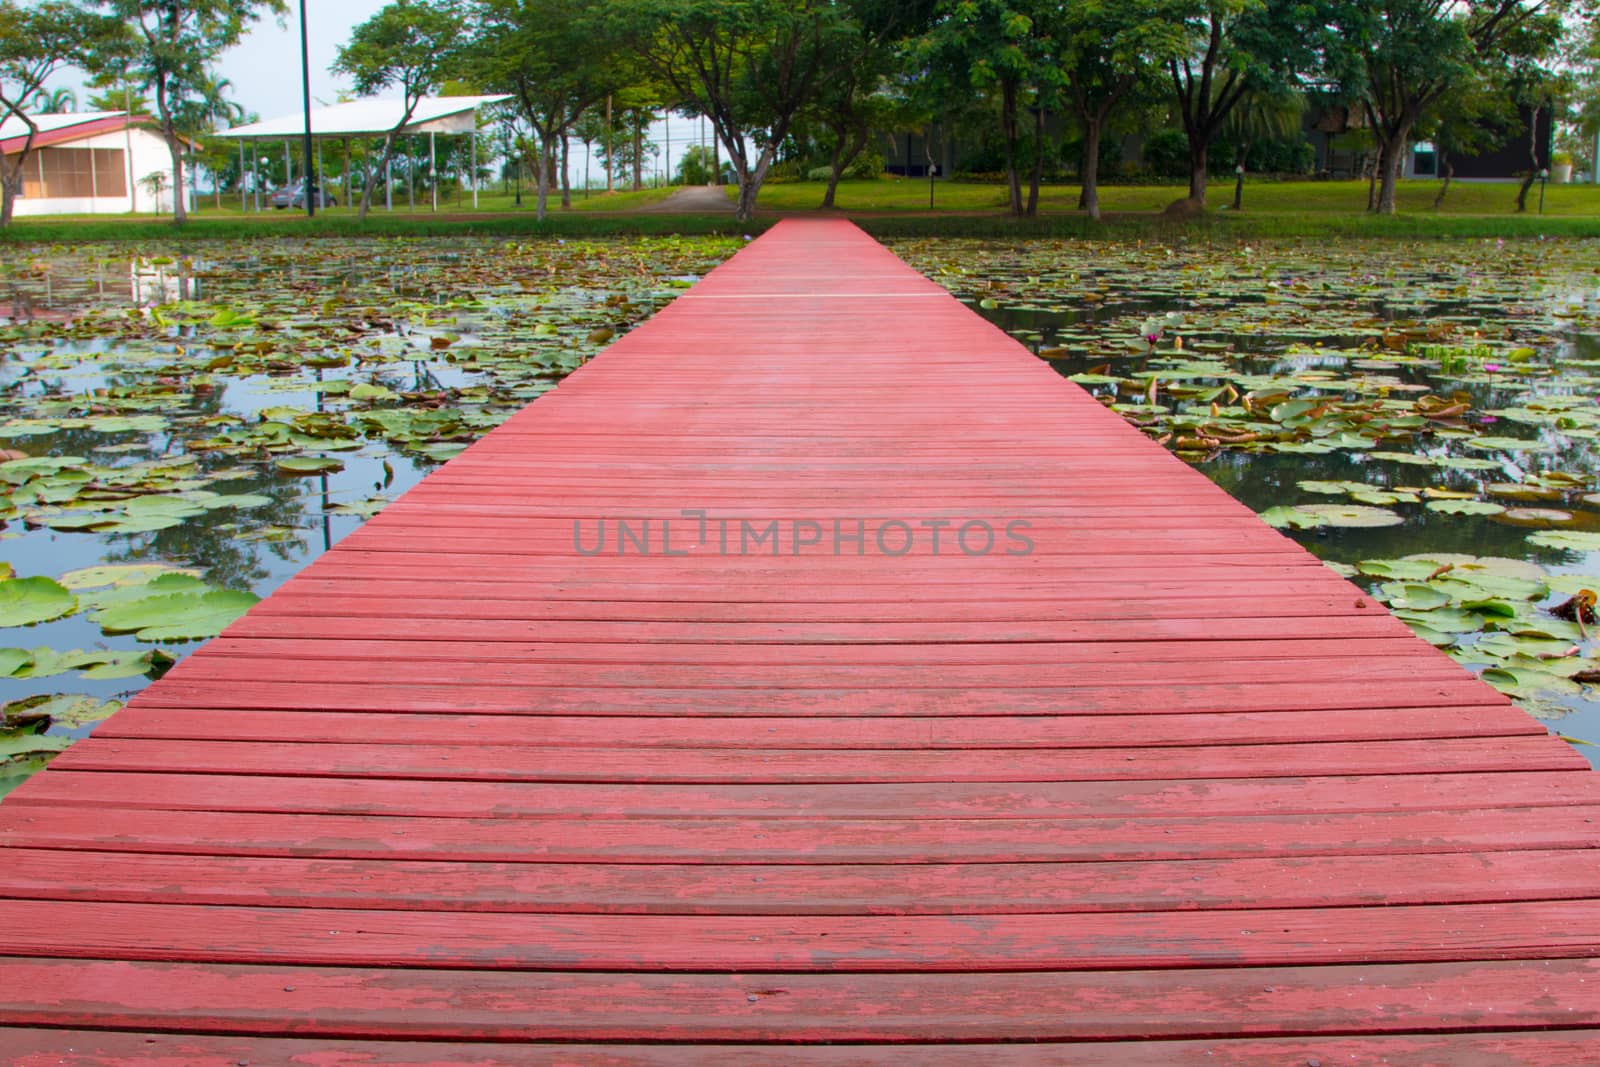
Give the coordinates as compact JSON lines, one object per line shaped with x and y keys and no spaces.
{"x":294,"y":195}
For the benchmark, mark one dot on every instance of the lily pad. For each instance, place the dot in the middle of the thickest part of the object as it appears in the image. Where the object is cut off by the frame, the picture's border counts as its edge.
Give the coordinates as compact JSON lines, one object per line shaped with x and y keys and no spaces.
{"x":177,"y":616}
{"x":26,"y":601}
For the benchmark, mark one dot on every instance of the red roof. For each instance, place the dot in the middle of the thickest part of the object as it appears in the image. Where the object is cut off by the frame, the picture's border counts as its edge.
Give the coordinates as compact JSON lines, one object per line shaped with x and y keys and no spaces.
{"x":65,"y":134}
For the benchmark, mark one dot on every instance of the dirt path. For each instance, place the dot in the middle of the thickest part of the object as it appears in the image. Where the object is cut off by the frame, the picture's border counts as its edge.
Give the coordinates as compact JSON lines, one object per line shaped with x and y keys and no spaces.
{"x":693,"y":200}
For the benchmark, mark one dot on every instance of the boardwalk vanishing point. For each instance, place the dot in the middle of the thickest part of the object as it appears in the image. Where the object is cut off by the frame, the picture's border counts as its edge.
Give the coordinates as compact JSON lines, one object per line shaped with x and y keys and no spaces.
{"x":795,"y":763}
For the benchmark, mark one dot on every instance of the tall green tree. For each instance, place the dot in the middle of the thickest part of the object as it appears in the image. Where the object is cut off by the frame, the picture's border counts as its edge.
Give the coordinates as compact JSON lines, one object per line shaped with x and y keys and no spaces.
{"x":749,"y":66}
{"x":1402,"y":57}
{"x":1233,"y":47}
{"x":1110,"y":54}
{"x":852,"y":101}
{"x":173,"y":46}
{"x":557,"y":58}
{"x":410,"y":44}
{"x":36,"y":40}
{"x":996,"y":46}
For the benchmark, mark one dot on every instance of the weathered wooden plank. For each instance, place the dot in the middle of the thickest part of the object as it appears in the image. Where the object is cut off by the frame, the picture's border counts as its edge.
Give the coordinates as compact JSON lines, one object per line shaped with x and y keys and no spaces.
{"x":573,"y":763}
{"x":1199,"y":798}
{"x":1345,"y":881}
{"x":1001,"y":732}
{"x":83,"y":1048}
{"x":736,"y":839}
{"x":804,"y":944}
{"x":523,"y":1006}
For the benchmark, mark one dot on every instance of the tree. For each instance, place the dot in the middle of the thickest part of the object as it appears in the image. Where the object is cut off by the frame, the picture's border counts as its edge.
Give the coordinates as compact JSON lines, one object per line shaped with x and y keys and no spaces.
{"x":1401,"y":57}
{"x":994,"y":45}
{"x":406,"y":44}
{"x":173,"y":45}
{"x":1233,"y":47}
{"x":54,"y":102}
{"x":1109,"y":51}
{"x":851,"y":101}
{"x":749,"y":66}
{"x":35,"y":42}
{"x":555,"y":57}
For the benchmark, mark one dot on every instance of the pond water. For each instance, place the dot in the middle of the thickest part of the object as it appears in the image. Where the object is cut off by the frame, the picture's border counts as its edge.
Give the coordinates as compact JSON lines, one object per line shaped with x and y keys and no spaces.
{"x":1422,"y":416}
{"x":180,"y":434}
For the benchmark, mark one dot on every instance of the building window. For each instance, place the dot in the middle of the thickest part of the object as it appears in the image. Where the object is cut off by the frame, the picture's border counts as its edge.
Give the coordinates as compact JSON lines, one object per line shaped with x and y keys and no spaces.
{"x":57,"y":173}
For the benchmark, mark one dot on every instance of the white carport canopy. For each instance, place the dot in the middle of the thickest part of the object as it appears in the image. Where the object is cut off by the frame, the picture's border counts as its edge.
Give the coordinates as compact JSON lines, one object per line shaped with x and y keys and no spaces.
{"x":433,"y":115}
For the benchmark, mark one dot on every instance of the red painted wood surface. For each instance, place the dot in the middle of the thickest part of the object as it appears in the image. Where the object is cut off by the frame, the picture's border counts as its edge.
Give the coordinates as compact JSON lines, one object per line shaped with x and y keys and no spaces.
{"x":1162,"y":790}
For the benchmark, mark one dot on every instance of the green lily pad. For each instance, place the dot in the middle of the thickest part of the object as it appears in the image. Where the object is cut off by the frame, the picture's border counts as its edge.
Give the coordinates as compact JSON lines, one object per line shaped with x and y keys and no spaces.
{"x":309,"y":465}
{"x":177,"y":616}
{"x":1573,"y":540}
{"x":1464,"y":507}
{"x":26,"y":601}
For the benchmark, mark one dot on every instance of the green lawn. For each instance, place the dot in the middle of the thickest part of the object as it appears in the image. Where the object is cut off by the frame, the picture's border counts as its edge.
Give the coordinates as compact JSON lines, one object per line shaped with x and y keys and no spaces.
{"x":1265,"y":197}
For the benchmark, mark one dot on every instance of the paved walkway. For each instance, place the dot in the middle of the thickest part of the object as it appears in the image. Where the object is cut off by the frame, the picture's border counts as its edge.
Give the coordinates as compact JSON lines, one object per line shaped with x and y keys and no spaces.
{"x":909,"y":697}
{"x":693,"y":200}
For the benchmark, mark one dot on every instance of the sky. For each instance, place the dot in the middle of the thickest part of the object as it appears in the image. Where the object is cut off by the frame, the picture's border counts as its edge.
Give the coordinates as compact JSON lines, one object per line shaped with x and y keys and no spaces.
{"x":265,"y":66}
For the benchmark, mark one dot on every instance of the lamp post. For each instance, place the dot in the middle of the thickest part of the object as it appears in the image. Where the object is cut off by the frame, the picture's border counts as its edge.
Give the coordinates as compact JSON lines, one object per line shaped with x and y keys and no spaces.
{"x":312,"y":190}
{"x":1544,"y":175}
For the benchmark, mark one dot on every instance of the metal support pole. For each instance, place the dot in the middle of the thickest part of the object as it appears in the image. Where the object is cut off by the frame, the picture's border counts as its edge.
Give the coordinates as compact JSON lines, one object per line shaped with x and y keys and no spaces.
{"x":388,"y":185}
{"x":433,"y":170}
{"x":242,"y":204}
{"x":474,"y":174}
{"x":312,"y":166}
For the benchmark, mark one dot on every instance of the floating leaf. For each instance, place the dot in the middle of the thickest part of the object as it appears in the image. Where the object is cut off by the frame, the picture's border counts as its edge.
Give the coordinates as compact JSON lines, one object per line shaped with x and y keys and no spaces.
{"x":177,"y":616}
{"x":309,"y":465}
{"x":26,"y":601}
{"x":1465,"y":507}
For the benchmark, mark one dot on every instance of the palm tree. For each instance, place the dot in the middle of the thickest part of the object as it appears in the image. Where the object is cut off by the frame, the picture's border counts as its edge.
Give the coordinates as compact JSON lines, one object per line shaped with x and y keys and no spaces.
{"x":56,"y":102}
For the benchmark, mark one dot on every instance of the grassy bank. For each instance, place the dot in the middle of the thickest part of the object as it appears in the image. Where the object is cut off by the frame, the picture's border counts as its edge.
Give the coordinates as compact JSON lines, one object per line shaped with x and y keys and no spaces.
{"x":897,"y":207}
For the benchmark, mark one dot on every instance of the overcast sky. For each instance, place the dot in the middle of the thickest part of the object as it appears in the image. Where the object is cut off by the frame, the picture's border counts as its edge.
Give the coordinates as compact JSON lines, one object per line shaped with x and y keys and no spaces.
{"x":265,"y":66}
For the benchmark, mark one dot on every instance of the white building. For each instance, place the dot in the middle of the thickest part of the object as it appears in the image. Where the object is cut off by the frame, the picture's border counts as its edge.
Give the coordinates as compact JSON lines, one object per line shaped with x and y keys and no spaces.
{"x":97,"y":162}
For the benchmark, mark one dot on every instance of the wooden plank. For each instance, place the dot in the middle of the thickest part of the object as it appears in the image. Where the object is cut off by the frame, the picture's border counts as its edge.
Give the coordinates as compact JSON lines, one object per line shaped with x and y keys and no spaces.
{"x":736,"y":839}
{"x":443,"y":1005}
{"x":804,"y":944}
{"x":976,"y":732}
{"x":82,"y":1048}
{"x":572,"y":763}
{"x":1134,"y":695}
{"x":1200,"y":798}
{"x":1344,"y":881}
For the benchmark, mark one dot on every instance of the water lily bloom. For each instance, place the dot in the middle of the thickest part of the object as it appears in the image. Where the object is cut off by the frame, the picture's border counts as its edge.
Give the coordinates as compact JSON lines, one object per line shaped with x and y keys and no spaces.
{"x":1491,"y":367}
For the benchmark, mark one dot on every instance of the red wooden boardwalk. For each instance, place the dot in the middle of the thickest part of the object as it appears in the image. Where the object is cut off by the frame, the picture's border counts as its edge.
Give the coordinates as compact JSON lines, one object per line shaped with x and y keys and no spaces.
{"x":462,"y":794}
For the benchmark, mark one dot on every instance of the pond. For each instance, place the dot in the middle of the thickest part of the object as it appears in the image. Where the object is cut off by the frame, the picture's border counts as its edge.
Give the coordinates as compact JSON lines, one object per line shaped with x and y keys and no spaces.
{"x":1421,"y":416}
{"x":181,"y":433}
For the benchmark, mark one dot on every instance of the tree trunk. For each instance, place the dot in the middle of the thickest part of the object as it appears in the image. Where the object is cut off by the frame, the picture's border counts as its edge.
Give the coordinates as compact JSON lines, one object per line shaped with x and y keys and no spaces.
{"x":750,"y":181}
{"x":1199,"y":157}
{"x":566,"y":183}
{"x":1037,"y":177}
{"x":10,"y":187}
{"x":1534,"y":166}
{"x":541,"y":197}
{"x":1089,"y":169}
{"x":1238,"y":181}
{"x":372,"y":175}
{"x":1449,"y":172}
{"x":638,"y":150}
{"x":844,"y":154}
{"x":180,"y":213}
{"x":1008,"y":128}
{"x":1391,"y":158}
